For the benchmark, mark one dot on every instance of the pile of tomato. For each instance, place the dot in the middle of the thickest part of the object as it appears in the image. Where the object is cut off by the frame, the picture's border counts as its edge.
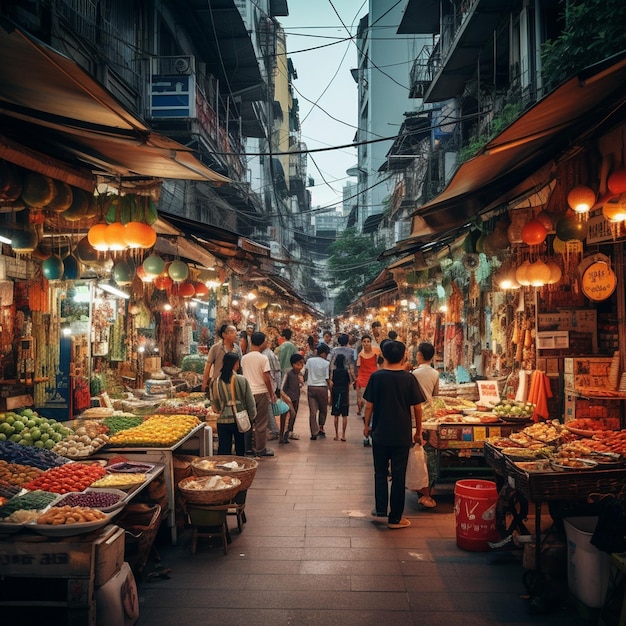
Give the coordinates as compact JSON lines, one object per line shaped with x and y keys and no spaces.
{"x":67,"y":478}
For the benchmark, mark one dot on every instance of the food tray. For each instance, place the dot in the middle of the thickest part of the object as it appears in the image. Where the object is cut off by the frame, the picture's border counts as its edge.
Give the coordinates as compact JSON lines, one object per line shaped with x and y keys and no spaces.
{"x":209,"y":496}
{"x":565,"y":486}
{"x":68,"y":530}
{"x":140,"y":479}
{"x":581,"y":432}
{"x":585,"y":465}
{"x":130,"y":467}
{"x":105,"y":509}
{"x":522,"y":419}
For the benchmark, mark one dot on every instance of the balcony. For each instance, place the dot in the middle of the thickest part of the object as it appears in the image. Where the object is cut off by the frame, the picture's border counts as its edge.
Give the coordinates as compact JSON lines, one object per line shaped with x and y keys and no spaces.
{"x":423,"y":71}
{"x":180,"y":108}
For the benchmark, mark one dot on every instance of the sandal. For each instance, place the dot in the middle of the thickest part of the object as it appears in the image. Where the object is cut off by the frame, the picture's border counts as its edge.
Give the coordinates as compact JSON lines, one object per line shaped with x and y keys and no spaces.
{"x":428,"y":502}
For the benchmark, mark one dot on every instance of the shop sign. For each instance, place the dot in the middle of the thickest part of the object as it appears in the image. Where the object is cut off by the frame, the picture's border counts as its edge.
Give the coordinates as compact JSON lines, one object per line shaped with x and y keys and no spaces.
{"x":598,"y":281}
{"x":599,"y":229}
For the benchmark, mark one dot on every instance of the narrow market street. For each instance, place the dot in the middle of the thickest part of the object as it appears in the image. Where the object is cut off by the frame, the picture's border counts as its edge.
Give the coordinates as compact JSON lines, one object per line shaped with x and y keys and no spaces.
{"x":310,"y":553}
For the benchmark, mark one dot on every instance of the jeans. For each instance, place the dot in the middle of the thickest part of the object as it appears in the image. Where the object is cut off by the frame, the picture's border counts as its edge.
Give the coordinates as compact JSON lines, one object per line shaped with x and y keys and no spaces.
{"x":225,"y":435}
{"x":398,"y":456}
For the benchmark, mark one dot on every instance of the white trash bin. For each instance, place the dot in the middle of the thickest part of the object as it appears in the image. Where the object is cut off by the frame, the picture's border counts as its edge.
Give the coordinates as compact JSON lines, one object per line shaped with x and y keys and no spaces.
{"x":587,"y":567}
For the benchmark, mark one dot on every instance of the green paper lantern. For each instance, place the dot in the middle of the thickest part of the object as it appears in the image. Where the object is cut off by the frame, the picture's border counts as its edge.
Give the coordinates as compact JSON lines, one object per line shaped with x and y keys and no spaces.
{"x":154,"y":265}
{"x":178,"y":271}
{"x":53,"y":267}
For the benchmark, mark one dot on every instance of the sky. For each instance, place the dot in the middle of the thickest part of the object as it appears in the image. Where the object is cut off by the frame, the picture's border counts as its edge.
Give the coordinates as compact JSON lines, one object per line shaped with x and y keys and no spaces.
{"x":323,"y":55}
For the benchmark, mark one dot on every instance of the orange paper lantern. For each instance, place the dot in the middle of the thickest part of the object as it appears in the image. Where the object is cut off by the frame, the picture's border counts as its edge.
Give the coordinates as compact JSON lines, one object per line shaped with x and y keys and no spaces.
{"x":581,"y":198}
{"x":114,"y":236}
{"x":616,"y":182}
{"x":139,"y":235}
{"x":534,"y":233}
{"x":186,"y":290}
{"x":95,"y":236}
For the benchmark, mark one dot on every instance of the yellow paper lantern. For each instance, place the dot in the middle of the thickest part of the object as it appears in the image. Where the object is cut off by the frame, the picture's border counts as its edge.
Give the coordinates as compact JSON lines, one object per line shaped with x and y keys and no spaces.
{"x":521,"y":274}
{"x":538,"y":273}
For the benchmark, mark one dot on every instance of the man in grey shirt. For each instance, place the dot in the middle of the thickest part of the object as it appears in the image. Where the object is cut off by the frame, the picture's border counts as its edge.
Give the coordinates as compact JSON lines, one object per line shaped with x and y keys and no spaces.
{"x":317,"y":378}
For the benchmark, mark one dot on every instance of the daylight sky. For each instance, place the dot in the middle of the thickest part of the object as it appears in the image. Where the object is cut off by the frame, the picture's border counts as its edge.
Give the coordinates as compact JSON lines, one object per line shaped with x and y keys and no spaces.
{"x":324,"y":78}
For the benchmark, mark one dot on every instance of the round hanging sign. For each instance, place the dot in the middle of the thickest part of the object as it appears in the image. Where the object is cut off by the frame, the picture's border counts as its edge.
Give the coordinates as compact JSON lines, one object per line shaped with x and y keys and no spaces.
{"x":598,"y":281}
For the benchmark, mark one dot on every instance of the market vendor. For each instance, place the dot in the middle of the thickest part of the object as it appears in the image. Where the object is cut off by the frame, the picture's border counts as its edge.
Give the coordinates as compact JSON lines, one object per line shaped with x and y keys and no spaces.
{"x":215,"y":358}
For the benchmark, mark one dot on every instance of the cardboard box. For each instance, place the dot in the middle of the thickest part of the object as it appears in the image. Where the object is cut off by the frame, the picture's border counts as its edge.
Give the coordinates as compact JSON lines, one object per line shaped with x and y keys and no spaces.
{"x":15,"y":402}
{"x":109,"y":554}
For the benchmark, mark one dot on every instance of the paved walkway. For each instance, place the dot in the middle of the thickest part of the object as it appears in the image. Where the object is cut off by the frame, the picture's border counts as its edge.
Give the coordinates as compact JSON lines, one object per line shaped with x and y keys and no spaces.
{"x":311,"y":554}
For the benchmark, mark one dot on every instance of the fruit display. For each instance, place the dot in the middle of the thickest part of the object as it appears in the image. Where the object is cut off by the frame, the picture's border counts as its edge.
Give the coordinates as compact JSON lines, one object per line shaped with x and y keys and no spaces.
{"x":17,"y":474}
{"x":30,"y":429}
{"x":156,"y":430}
{"x":56,"y":516}
{"x":199,"y":409}
{"x":80,"y":444}
{"x":91,"y":499}
{"x":116,"y":423}
{"x":67,"y":478}
{"x":512,"y":409}
{"x":119,"y":481}
{"x":30,"y":455}
{"x":32,"y":501}
{"x":442,"y":406}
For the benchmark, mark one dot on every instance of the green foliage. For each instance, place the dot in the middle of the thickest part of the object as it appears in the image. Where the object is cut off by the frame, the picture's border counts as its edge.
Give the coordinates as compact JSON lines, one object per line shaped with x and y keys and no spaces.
{"x":508,"y":115}
{"x":352,"y":265}
{"x":593,"y":31}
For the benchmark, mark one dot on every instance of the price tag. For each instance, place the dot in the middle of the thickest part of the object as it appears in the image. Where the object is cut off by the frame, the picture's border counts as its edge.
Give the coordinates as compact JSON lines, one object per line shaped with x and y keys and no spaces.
{"x":488,"y":392}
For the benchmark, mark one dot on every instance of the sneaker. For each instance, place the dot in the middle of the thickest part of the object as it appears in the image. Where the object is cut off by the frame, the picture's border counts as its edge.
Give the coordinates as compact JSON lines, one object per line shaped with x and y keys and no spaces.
{"x":403,"y":523}
{"x":285,"y":439}
{"x":321,"y":434}
{"x":265,"y":452}
{"x":313,"y":437}
{"x":375,"y":513}
{"x":293,"y":436}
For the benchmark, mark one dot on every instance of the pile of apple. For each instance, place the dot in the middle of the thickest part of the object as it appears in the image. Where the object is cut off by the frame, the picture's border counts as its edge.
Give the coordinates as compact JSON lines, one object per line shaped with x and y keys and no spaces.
{"x":28,"y":428}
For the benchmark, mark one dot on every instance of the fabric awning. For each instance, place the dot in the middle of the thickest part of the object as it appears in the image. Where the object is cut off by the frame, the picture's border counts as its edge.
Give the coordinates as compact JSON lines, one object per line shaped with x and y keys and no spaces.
{"x":49,"y":103}
{"x":521,"y":158}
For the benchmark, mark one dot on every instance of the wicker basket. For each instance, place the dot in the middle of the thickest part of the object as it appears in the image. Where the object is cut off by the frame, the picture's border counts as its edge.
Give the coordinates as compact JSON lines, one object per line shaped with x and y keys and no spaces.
{"x":209,"y":496}
{"x":245,"y":474}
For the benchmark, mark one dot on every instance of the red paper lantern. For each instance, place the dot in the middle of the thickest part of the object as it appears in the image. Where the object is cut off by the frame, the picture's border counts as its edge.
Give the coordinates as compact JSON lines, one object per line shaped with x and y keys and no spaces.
{"x":186,"y":290}
{"x":201,"y":289}
{"x":617,"y":181}
{"x":534,"y":233}
{"x":163,"y":282}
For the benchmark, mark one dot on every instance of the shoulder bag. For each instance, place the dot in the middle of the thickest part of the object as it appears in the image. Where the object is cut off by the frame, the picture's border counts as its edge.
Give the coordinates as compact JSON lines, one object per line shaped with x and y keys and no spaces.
{"x":242,"y":419}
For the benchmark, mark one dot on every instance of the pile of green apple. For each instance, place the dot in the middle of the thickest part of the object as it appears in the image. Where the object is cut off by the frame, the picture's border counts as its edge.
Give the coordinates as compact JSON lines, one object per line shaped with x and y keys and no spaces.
{"x":28,"y":428}
{"x":515,"y":409}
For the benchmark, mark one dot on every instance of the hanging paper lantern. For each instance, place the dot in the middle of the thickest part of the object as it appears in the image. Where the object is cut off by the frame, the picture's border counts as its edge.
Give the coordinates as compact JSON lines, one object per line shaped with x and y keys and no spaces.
{"x":154,"y":265}
{"x":71,"y":267}
{"x":178,"y":271}
{"x":142,"y":275}
{"x":114,"y":237}
{"x":581,"y":198}
{"x":96,"y":237}
{"x":201,"y":289}
{"x":547,"y":219}
{"x":186,"y":290}
{"x":139,"y":235}
{"x":534,"y":233}
{"x":555,"y":272}
{"x":615,"y":209}
{"x":569,"y":228}
{"x":123,"y":273}
{"x":62,"y":197}
{"x":521,"y":274}
{"x":52,"y":267}
{"x":559,"y":246}
{"x":499,"y":238}
{"x":163,"y":282}
{"x":24,"y":241}
{"x":616,"y":182}
{"x":538,"y":273}
{"x":86,"y":253}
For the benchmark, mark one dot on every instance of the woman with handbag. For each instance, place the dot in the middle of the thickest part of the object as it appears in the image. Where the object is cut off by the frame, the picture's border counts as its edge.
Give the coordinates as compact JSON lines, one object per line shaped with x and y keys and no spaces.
{"x":231,"y":395}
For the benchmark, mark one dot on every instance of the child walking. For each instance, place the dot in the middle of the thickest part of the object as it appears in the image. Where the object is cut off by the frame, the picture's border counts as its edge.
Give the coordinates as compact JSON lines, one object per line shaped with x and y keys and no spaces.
{"x":342,"y":380}
{"x":290,"y":393}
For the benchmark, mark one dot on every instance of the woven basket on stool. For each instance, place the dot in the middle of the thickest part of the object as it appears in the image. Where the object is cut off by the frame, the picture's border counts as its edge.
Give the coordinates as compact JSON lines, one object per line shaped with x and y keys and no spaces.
{"x":209,"y":496}
{"x":245,"y":472}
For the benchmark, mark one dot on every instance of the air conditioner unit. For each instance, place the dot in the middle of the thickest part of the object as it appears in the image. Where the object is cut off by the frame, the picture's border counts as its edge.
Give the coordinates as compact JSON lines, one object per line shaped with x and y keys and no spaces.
{"x":183,"y":66}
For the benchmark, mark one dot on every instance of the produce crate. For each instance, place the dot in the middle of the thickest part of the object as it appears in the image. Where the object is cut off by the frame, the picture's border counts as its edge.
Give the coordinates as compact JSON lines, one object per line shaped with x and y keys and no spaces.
{"x":71,"y":568}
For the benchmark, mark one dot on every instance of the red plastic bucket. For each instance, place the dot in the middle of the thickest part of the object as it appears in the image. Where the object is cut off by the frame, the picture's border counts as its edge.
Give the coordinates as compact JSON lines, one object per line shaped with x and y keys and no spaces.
{"x":475,"y":514}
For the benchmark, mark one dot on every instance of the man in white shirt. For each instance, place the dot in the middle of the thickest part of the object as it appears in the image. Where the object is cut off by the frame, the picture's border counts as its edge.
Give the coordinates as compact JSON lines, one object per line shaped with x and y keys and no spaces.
{"x":256,"y":368}
{"x":428,"y":379}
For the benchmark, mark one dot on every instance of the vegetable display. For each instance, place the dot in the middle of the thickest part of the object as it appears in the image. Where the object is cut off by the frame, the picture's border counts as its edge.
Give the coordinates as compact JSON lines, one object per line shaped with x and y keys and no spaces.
{"x":67,"y":478}
{"x":28,"y":455}
{"x":157,"y":430}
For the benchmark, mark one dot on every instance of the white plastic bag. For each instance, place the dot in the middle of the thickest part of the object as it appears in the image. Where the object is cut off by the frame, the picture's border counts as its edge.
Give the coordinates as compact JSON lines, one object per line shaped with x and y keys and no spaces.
{"x":416,"y":469}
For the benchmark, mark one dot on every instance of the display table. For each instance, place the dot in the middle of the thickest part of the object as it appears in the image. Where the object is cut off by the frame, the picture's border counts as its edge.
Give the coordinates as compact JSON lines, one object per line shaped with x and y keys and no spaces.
{"x":195,"y":442}
{"x":543,"y":487}
{"x":457,"y":442}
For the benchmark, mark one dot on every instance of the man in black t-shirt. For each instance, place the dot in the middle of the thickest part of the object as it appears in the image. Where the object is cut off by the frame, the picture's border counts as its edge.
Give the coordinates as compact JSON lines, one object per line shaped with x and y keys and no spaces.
{"x":391,"y":399}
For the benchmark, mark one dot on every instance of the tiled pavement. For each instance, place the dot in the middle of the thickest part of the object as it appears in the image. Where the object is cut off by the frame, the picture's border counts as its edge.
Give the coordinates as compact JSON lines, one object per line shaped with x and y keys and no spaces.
{"x":311,"y":554}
